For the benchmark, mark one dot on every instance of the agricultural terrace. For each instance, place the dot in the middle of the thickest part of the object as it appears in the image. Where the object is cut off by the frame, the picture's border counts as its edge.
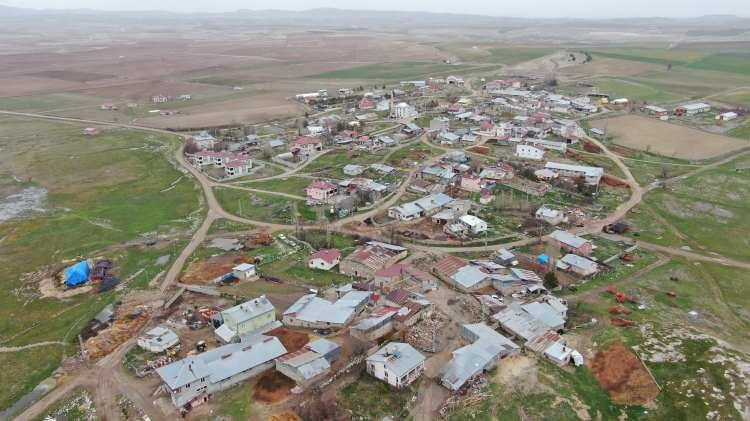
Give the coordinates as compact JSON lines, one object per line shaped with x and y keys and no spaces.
{"x":77,"y":196}
{"x":670,"y":140}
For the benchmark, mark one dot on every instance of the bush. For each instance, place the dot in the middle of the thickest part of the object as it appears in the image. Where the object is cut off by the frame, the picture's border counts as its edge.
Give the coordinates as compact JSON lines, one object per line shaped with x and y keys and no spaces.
{"x":550,"y":280}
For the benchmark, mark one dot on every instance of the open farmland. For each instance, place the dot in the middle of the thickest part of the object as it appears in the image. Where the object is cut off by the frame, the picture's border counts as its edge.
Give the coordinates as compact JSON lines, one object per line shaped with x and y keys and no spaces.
{"x":634,"y":90}
{"x":671,"y":140}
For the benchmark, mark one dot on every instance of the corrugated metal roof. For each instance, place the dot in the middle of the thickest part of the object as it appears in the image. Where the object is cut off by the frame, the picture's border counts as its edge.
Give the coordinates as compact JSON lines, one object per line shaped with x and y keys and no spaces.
{"x":399,"y":358}
{"x":249,"y":309}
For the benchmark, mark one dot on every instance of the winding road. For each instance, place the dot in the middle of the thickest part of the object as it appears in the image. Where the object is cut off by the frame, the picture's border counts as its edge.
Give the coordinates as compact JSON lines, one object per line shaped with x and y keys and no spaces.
{"x":106,"y":378}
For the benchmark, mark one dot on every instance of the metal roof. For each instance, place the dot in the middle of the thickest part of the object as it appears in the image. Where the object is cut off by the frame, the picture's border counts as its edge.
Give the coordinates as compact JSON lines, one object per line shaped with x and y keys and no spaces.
{"x":222,"y":362}
{"x":249,"y":310}
{"x":322,"y":346}
{"x":580,"y":262}
{"x":398,"y":358}
{"x":468,"y":276}
{"x":587,"y":171}
{"x":545,"y":314}
{"x":568,"y":238}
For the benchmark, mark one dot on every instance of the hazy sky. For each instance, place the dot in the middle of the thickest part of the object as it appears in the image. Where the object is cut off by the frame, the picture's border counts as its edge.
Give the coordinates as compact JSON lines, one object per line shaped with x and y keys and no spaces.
{"x":534,"y":8}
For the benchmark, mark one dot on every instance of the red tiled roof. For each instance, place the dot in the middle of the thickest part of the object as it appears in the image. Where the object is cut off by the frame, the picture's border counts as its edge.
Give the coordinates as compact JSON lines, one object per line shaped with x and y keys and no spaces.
{"x":413,"y":309}
{"x":448,"y":265}
{"x":307,"y":141}
{"x":322,"y":185}
{"x":327,"y":255}
{"x":399,"y":296}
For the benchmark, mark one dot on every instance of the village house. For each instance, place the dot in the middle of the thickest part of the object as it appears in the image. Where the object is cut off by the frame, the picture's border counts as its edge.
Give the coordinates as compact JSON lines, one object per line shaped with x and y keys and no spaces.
{"x":313,"y":312}
{"x":498,"y":172}
{"x":377,"y":325}
{"x":440,"y":124}
{"x":692,"y":109}
{"x":571,"y":243}
{"x":389,"y":275}
{"x":307,"y":145}
{"x":158,"y":340}
{"x":244,"y":272}
{"x":425,"y":206}
{"x":454,"y":80}
{"x":549,"y":215}
{"x":325,"y":259}
{"x":254,"y":316}
{"x":238,"y":167}
{"x":309,"y":364}
{"x":403,"y":110}
{"x":551,"y":145}
{"x":472,"y":224}
{"x":727,"y":116}
{"x":656,"y":111}
{"x":515,"y":280}
{"x":472,"y":183}
{"x":505,"y":257}
{"x":529,"y":152}
{"x":577,"y":264}
{"x":192,"y":380}
{"x":484,"y":351}
{"x":321,"y":192}
{"x":353,"y":169}
{"x":442,"y":174}
{"x":591,"y":175}
{"x":203,"y":140}
{"x":396,"y":363}
{"x":364,"y":261}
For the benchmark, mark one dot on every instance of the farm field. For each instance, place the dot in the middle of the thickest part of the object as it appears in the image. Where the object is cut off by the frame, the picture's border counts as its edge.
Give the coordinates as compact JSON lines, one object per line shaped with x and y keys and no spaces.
{"x":635,"y":91}
{"x":670,"y":140}
{"x":705,"y":212}
{"x":398,"y":71}
{"x":87,"y":188}
{"x":739,"y":97}
{"x":290,"y":185}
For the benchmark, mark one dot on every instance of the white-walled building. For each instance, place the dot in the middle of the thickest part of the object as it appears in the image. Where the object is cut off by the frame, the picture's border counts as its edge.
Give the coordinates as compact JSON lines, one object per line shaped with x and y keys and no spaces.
{"x":325,"y":259}
{"x":397,"y":364}
{"x":529,"y":152}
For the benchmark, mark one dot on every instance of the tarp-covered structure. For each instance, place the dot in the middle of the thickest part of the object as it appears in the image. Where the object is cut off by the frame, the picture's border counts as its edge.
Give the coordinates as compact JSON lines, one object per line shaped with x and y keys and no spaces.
{"x":77,"y":274}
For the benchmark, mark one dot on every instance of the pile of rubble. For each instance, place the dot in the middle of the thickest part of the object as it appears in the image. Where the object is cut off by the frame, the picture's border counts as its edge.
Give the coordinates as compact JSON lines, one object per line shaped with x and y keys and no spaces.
{"x":474,"y":394}
{"x":82,"y":407}
{"x":424,"y":335}
{"x":127,"y":322}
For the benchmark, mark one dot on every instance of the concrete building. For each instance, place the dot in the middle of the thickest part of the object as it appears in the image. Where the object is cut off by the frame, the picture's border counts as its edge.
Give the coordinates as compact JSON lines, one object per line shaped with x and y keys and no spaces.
{"x":579,"y":265}
{"x":192,"y":380}
{"x":396,"y":363}
{"x":591,"y":175}
{"x":571,"y":243}
{"x":325,"y":259}
{"x":529,"y":152}
{"x":309,"y":364}
{"x":244,"y":272}
{"x":549,"y":215}
{"x":370,"y":258}
{"x":248,"y":317}
{"x":158,"y":340}
{"x":313,"y":312}
{"x":484,"y":350}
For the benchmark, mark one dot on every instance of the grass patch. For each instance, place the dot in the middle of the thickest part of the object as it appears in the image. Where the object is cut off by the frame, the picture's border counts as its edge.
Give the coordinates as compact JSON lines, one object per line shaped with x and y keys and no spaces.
{"x":293,"y":268}
{"x":235,"y":404}
{"x":333,"y":161}
{"x":290,"y":185}
{"x":724,"y":62}
{"x":740,"y":98}
{"x":370,"y":399}
{"x":95,"y":187}
{"x":516,"y":55}
{"x":635,"y":91}
{"x":742,"y":131}
{"x":258,"y":206}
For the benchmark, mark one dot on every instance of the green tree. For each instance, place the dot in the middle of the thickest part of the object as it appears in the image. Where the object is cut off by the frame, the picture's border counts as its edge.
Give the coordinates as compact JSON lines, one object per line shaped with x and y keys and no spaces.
{"x":550,"y":280}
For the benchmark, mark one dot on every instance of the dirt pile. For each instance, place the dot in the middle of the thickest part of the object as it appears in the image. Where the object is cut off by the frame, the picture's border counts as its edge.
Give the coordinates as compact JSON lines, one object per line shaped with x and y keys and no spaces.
{"x":204,"y":271}
{"x":291,"y":339}
{"x":127,"y":321}
{"x":285,"y":416}
{"x":273,"y":387}
{"x":624,"y":376}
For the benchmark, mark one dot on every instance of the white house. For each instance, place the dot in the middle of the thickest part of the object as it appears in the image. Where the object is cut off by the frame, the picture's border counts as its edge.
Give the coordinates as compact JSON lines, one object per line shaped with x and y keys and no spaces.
{"x":529,"y":152}
{"x":396,"y":363}
{"x":158,"y":339}
{"x":692,"y":109}
{"x":549,"y":215}
{"x":321,"y":191}
{"x":591,"y":175}
{"x":191,"y":380}
{"x":325,"y":259}
{"x":238,"y":167}
{"x":403,"y":110}
{"x":473,"y":224}
{"x":578,"y":265}
{"x":244,"y":271}
{"x":730,"y":115}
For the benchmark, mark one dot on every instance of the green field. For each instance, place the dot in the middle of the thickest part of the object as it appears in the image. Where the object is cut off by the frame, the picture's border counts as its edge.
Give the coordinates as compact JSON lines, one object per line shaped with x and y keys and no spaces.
{"x":634,"y":90}
{"x":263,"y":207}
{"x":333,"y":161}
{"x":709,"y":210}
{"x":724,"y":62}
{"x":44,"y":102}
{"x":740,"y":98}
{"x":399,"y":71}
{"x":290,"y":185}
{"x":95,"y":186}
{"x":647,"y":168}
{"x":742,"y":131}
{"x":372,"y":399}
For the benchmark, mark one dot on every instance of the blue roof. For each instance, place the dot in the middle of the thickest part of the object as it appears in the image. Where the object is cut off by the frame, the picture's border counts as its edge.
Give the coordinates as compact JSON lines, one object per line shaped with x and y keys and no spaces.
{"x":77,"y":274}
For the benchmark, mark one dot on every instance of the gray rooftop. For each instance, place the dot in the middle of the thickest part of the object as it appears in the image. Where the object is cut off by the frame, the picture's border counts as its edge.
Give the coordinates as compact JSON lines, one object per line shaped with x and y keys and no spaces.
{"x":249,"y":310}
{"x":398,"y":357}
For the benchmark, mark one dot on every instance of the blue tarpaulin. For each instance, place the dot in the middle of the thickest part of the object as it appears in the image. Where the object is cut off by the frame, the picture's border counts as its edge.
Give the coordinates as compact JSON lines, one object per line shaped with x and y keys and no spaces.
{"x":77,"y":274}
{"x":542,"y":259}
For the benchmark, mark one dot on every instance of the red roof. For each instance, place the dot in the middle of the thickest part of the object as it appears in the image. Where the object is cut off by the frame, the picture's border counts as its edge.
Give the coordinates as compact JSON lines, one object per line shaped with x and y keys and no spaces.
{"x":327,"y":255}
{"x":487,"y":125}
{"x":322,"y":185}
{"x":399,"y":296}
{"x":448,"y":265}
{"x":391,"y":271}
{"x":413,"y":307}
{"x":306,"y":140}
